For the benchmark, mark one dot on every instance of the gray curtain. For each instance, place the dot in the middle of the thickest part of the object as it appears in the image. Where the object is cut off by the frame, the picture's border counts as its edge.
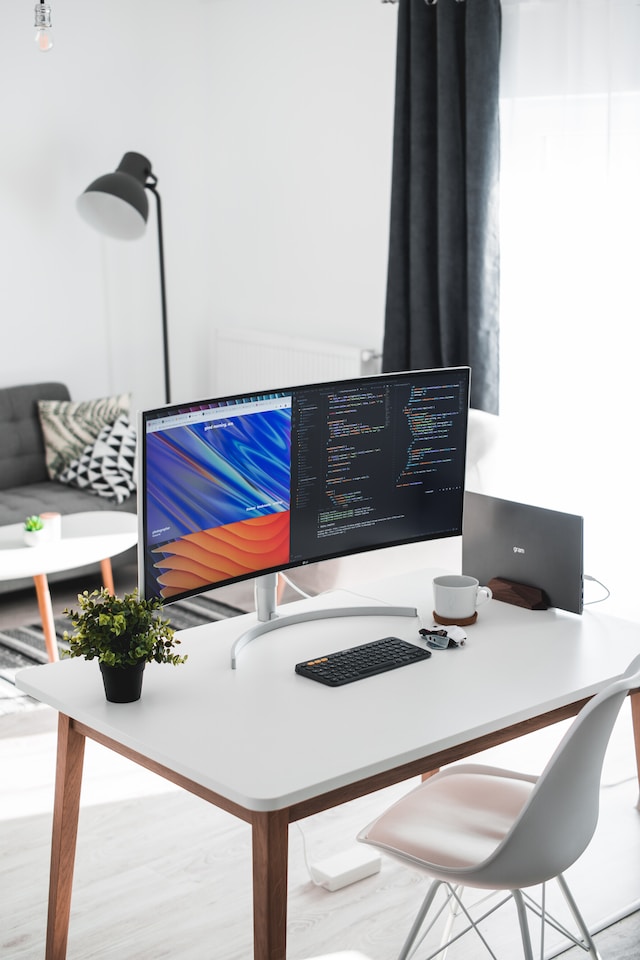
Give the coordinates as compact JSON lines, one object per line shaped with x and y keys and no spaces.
{"x":443,"y":276}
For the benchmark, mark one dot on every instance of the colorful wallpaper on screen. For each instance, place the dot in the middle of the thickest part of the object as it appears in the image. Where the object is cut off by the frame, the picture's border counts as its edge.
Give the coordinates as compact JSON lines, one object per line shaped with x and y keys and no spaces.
{"x":203,"y":558}
{"x":218,"y":497}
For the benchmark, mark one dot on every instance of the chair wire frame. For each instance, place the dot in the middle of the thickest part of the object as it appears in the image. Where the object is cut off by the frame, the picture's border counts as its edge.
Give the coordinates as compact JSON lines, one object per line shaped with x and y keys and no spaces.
{"x":523,"y":901}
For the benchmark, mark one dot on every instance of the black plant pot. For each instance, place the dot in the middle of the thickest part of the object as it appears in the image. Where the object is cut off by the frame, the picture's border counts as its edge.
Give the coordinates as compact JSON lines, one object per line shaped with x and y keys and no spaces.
{"x":122,"y":684}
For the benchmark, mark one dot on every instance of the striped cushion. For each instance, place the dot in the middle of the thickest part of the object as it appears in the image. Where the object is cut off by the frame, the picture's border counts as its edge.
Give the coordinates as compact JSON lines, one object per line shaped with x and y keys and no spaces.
{"x":68,"y":426}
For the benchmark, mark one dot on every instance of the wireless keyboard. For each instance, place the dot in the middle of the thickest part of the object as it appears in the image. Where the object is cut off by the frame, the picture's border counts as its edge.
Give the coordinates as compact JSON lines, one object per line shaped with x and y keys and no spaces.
{"x":355,"y":663}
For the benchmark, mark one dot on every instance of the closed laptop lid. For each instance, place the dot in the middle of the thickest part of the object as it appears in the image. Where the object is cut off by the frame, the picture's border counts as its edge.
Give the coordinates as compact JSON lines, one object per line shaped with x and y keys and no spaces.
{"x":526,"y":544}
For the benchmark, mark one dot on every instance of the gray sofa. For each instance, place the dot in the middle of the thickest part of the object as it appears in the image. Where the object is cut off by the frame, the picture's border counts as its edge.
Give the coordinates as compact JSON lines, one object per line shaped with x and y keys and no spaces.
{"x":25,"y":487}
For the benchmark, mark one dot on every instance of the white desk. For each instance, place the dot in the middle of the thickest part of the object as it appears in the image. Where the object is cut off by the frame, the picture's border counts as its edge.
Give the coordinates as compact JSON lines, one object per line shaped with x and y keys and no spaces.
{"x":91,"y":537}
{"x":272,"y":747}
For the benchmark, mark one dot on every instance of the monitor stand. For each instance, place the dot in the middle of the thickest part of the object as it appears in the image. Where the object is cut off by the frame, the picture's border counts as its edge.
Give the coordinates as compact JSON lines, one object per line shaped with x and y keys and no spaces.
{"x":269,"y":618}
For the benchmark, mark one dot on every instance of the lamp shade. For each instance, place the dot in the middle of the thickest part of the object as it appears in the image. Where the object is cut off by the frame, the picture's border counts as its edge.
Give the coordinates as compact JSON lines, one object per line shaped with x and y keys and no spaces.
{"x":116,"y":204}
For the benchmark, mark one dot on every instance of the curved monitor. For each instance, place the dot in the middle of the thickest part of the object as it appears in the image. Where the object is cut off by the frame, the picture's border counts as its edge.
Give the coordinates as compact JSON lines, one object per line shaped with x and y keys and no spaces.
{"x":243,"y":486}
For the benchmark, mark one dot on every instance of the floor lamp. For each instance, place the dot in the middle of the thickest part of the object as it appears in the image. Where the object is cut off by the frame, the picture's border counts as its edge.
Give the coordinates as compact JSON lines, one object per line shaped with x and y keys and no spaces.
{"x":116,"y":204}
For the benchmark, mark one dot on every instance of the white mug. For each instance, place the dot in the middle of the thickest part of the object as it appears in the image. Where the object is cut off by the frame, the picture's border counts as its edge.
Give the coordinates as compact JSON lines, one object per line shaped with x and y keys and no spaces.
{"x":457,"y":597}
{"x":52,"y":525}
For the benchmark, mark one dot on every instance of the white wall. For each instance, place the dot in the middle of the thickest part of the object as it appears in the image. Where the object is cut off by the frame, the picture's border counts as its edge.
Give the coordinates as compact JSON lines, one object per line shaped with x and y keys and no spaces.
{"x":268,"y":123}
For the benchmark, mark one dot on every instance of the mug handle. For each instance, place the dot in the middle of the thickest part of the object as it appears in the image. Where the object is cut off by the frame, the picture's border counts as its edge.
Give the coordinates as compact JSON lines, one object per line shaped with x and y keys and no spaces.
{"x":483,"y":594}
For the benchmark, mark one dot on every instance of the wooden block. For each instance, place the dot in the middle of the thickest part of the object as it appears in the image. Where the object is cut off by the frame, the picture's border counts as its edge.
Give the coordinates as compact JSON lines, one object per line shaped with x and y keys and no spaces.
{"x":519,"y":594}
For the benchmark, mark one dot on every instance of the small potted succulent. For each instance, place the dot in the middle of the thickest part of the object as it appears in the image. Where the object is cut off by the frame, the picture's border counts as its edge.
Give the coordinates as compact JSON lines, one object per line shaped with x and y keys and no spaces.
{"x":33,"y":530}
{"x":123,"y":634}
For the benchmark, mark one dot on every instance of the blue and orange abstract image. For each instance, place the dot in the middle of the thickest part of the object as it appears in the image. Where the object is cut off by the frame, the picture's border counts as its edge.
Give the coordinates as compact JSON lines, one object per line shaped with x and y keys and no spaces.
{"x":218,"y":498}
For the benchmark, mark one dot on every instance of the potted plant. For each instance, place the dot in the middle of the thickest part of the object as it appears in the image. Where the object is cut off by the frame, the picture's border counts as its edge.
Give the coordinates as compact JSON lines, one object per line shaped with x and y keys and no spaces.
{"x":33,"y":527}
{"x":123,"y":634}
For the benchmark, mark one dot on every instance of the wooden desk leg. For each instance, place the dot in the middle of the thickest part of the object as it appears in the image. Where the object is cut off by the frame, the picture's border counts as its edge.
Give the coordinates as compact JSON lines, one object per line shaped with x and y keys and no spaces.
{"x":46,"y":615}
{"x":63,"y":842}
{"x":270,"y":865}
{"x":635,"y":718}
{"x":431,"y":773}
{"x":107,"y":575}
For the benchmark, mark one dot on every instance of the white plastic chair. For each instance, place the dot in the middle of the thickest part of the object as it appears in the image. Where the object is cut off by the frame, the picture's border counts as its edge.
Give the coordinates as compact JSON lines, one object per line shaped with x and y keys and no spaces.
{"x":480,"y":826}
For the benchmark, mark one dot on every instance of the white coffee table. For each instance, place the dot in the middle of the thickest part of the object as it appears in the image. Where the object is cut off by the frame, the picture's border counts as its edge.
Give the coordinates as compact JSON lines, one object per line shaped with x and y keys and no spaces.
{"x":86,"y":538}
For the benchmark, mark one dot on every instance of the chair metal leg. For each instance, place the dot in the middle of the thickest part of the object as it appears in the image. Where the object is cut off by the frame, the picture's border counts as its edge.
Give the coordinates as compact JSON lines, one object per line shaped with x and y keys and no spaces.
{"x":586,"y":943}
{"x":453,"y":914}
{"x":577,"y":916}
{"x":524,"y":924}
{"x":456,"y":911}
{"x":417,"y":923}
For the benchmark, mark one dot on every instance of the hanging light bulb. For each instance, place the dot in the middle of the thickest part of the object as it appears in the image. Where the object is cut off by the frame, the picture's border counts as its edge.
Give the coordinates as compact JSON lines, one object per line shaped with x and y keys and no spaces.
{"x":44,"y":40}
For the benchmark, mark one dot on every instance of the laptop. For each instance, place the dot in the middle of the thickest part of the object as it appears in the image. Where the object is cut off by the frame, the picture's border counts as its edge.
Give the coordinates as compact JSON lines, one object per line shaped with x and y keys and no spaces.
{"x":524,"y":544}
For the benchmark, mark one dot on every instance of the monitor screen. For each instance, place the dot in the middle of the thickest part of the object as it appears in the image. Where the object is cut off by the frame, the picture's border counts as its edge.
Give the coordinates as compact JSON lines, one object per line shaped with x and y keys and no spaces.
{"x":241,"y":486}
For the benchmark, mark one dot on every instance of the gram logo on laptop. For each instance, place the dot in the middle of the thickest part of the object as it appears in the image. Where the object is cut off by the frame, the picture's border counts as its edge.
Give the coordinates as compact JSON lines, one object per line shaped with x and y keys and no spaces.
{"x":524,"y":544}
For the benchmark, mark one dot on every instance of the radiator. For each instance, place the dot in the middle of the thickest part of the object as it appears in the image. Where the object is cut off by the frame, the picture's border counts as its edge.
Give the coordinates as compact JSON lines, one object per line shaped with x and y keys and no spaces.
{"x":250,"y":360}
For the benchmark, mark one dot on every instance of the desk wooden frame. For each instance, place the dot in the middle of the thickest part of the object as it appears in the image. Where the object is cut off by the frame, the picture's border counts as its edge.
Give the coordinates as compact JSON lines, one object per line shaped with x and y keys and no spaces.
{"x":269,"y":829}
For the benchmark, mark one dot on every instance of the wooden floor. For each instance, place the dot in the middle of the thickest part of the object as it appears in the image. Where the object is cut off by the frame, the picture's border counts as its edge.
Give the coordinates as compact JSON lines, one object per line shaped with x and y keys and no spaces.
{"x":162,"y":874}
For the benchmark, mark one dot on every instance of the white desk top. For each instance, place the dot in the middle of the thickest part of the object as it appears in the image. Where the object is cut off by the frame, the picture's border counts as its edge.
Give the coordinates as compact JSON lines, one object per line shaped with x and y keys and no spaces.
{"x":86,"y":538}
{"x":266,"y":738}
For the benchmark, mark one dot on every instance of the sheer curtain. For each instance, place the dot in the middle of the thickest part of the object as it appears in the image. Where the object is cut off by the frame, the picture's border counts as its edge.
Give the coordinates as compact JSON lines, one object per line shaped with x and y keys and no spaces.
{"x":570,"y":272}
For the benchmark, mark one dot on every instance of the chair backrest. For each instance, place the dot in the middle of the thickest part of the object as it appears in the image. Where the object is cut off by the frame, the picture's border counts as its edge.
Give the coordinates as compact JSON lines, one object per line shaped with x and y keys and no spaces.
{"x":559,"y":819}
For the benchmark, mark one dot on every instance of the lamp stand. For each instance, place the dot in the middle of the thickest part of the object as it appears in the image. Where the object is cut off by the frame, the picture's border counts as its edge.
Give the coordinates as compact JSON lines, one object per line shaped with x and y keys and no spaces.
{"x":165,"y":332}
{"x":116,"y":204}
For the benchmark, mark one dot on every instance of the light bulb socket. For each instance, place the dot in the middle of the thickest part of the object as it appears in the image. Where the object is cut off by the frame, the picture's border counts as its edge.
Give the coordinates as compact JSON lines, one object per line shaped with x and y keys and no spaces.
{"x":42,"y":15}
{"x":135,"y":165}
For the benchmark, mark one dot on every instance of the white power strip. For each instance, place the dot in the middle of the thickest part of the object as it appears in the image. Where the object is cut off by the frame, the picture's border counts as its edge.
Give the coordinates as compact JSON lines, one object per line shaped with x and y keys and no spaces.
{"x":340,"y":870}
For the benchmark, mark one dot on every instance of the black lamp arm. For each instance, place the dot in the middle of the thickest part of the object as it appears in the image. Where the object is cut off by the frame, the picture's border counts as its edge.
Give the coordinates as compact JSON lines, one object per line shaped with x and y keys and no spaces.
{"x":165,"y":335}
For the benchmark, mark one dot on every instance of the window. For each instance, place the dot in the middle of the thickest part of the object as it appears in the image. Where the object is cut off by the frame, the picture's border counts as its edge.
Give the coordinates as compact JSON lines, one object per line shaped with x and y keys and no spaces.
{"x":570,"y":240}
